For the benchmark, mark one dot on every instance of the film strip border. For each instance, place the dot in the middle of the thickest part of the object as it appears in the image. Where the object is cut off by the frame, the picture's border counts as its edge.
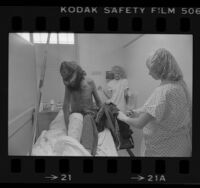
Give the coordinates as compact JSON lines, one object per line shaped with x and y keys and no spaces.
{"x":170,"y":20}
{"x":109,"y":24}
{"x":112,"y":166}
{"x":116,"y":170}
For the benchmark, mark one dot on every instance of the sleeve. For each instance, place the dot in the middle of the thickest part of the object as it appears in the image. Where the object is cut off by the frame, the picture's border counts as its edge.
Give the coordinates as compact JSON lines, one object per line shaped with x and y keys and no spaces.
{"x":109,"y":86}
{"x":126,"y":84}
{"x":156,"y":104}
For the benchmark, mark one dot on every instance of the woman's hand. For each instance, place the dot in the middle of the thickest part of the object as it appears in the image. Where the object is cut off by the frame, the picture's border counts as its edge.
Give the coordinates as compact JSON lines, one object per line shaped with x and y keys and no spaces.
{"x":129,"y":113}
{"x":121,"y":116}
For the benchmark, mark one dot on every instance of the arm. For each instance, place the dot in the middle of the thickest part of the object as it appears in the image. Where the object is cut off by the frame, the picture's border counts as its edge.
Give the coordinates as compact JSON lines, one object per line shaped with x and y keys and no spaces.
{"x":153,"y":109}
{"x":126,"y":95}
{"x":133,"y":113}
{"x":138,"y":122}
{"x":107,"y":93}
{"x":96,"y":96}
{"x":126,"y":91}
{"x":66,"y":107}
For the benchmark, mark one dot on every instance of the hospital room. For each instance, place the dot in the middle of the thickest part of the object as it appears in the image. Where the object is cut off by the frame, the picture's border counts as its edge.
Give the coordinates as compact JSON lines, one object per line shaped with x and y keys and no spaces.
{"x":100,"y":95}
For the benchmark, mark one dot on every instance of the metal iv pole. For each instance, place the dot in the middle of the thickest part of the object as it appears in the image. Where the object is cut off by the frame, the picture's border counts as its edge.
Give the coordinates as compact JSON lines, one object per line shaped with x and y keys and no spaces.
{"x":39,"y":94}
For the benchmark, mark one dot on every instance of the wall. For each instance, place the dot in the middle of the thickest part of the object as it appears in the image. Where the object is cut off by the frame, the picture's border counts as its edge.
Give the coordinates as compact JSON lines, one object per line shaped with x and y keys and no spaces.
{"x":21,"y":75}
{"x":138,"y":75}
{"x":99,"y":52}
{"x":22,"y":94}
{"x":21,"y":133}
{"x":53,"y":84}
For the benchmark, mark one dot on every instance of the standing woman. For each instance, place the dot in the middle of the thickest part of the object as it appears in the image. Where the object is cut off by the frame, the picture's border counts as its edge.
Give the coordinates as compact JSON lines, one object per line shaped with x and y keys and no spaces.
{"x":117,"y":89}
{"x":166,"y":117}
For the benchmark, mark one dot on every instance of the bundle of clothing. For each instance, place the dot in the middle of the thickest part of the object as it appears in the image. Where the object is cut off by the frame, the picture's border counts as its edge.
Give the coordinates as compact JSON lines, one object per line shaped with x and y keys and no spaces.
{"x":105,"y":117}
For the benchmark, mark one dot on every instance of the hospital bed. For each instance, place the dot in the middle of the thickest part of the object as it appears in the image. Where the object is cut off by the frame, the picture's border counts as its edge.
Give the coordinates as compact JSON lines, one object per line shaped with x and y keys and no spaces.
{"x":51,"y":139}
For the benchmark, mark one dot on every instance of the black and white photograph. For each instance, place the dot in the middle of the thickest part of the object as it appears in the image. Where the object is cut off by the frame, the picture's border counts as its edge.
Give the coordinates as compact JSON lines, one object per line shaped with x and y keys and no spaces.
{"x":100,"y":94}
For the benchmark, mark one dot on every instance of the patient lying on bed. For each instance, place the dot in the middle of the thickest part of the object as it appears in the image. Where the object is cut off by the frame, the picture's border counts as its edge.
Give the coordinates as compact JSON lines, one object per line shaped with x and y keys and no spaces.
{"x":55,"y":141}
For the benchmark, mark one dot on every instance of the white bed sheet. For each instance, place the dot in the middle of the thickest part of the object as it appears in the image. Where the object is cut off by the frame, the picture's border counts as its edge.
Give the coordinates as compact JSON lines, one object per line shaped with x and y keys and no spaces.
{"x":55,"y":142}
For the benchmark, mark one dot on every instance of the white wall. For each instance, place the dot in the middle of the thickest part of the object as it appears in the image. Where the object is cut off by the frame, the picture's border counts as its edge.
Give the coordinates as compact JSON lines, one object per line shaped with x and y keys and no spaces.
{"x":22,"y":94}
{"x":22,"y":76}
{"x":53,"y":85}
{"x":20,"y":134}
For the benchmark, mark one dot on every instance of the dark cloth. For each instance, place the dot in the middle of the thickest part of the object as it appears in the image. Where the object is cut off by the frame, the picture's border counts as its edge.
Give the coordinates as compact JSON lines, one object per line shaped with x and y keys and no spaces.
{"x":89,"y":137}
{"x":106,"y":118}
{"x":96,"y":121}
{"x":125,"y":136}
{"x":121,"y":132}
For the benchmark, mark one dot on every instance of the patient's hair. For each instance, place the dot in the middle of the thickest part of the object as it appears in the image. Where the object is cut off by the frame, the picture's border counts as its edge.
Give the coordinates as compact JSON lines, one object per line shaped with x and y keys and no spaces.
{"x":73,"y":68}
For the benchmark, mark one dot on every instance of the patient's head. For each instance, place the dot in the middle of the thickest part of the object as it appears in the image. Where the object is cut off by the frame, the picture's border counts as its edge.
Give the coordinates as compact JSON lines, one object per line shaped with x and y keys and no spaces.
{"x":72,"y":74}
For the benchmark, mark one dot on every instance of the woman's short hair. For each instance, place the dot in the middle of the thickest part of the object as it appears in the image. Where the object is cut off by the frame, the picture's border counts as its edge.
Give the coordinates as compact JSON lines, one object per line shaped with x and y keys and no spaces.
{"x":164,"y":65}
{"x":120,"y":70}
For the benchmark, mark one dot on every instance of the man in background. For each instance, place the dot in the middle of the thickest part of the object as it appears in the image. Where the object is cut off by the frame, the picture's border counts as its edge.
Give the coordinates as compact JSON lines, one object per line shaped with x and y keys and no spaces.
{"x":117,"y":91}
